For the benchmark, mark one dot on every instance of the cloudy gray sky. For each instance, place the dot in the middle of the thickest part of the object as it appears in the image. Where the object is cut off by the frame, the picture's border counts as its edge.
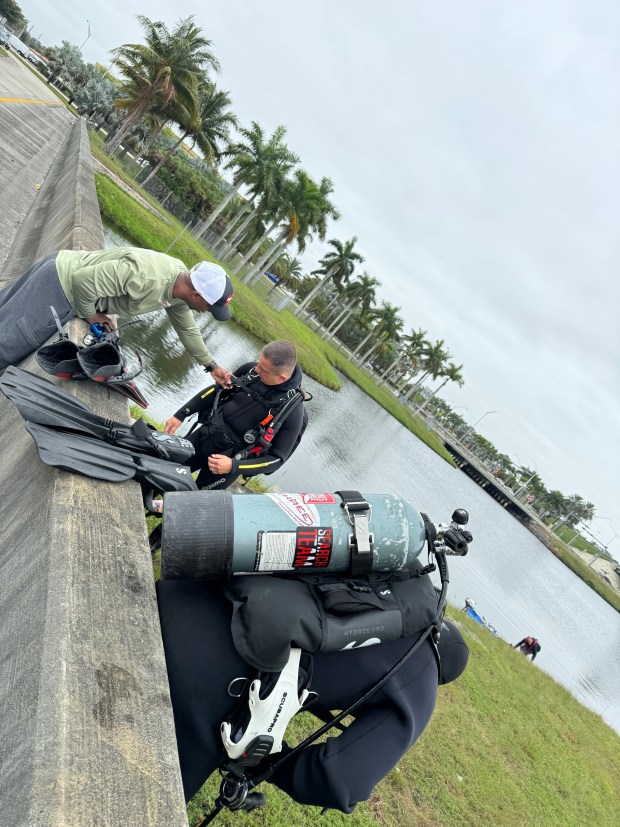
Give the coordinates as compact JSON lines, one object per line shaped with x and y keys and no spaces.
{"x":474,"y":152}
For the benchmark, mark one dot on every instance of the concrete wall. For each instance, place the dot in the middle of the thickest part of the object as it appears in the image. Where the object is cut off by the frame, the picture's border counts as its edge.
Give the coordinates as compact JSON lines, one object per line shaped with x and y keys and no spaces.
{"x":85,"y":721}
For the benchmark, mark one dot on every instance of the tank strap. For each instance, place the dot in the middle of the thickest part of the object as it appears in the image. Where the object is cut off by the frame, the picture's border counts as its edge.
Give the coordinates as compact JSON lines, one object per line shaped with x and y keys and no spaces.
{"x":361,"y":540}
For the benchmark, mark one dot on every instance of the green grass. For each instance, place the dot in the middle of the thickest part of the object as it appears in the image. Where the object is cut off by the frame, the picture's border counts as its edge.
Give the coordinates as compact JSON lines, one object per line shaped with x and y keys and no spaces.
{"x":566,"y":534}
{"x":588,"y":575}
{"x":507,"y":747}
{"x":316,"y":357}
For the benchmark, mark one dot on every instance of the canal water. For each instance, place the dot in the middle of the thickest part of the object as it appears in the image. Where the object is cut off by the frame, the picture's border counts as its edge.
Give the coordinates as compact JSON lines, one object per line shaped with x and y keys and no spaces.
{"x":352,"y":443}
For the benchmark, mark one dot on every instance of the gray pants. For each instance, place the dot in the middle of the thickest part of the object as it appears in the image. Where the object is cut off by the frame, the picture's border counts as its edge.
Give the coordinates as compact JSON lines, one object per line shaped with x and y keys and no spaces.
{"x":26,"y":321}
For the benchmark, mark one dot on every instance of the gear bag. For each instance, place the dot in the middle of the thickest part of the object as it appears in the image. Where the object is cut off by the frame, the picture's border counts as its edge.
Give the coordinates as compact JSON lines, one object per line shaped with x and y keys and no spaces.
{"x":326,"y":614}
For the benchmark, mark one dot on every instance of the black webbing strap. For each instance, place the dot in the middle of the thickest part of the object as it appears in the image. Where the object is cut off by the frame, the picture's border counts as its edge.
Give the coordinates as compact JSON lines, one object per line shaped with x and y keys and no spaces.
{"x":360,"y":542}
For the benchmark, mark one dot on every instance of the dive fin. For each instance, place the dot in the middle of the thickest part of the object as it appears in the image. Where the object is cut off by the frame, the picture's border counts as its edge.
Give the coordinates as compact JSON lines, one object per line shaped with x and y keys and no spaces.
{"x":81,"y":455}
{"x":43,"y":402}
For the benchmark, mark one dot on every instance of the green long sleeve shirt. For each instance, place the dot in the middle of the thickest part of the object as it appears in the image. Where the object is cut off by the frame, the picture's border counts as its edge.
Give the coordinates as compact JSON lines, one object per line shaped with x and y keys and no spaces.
{"x":129,"y":281}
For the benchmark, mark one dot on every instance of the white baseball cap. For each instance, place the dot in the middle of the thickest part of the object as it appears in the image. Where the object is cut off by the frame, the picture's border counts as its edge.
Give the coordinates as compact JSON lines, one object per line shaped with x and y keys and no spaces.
{"x":211,"y":281}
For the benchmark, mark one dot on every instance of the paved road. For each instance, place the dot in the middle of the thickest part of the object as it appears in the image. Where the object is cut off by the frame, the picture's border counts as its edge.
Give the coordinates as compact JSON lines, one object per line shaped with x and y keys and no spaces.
{"x":32,"y":129}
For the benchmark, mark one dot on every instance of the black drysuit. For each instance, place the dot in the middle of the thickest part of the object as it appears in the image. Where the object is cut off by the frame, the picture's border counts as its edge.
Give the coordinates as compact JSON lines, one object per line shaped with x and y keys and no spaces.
{"x":241,"y":413}
{"x":201,"y":660}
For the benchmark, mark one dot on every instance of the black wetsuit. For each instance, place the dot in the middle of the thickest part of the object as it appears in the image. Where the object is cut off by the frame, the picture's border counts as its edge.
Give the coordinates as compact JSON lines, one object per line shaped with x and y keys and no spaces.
{"x":241,"y":413}
{"x":201,"y":661}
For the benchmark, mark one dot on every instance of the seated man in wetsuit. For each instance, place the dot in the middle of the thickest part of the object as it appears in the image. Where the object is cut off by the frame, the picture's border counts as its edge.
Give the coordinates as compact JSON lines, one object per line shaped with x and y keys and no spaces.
{"x":253,"y":409}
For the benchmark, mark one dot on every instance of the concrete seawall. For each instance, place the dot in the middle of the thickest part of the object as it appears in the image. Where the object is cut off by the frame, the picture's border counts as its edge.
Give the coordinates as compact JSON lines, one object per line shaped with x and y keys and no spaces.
{"x":85,"y":720}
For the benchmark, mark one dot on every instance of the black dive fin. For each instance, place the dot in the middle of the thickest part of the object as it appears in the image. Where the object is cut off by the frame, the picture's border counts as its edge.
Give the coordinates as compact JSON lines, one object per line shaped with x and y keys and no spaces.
{"x":45,"y":403}
{"x":81,"y":455}
{"x":41,"y":401}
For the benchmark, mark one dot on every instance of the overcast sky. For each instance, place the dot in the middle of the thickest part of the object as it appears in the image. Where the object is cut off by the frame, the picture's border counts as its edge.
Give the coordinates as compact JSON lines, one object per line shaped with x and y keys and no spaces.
{"x":474,"y":152}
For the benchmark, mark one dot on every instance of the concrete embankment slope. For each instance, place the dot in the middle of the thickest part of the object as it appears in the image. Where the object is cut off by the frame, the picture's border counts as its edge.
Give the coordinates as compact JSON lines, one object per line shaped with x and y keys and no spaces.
{"x":85,"y":721}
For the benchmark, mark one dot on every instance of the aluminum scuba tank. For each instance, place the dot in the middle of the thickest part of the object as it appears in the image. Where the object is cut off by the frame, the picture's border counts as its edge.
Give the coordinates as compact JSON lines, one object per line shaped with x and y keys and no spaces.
{"x":214,"y":534}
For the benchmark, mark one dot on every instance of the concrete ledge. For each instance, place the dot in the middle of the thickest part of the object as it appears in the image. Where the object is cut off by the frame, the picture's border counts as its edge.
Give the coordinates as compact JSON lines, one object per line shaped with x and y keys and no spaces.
{"x":65,"y":215}
{"x":85,"y":720}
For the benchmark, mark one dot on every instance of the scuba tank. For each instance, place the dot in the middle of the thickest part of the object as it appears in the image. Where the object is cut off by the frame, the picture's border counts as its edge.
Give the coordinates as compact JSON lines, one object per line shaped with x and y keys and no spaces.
{"x":213,"y":534}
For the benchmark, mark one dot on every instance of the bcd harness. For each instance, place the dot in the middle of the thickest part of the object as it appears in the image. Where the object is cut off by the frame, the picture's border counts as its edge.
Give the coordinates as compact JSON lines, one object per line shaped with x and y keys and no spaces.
{"x":256,"y":440}
{"x":362,"y":601}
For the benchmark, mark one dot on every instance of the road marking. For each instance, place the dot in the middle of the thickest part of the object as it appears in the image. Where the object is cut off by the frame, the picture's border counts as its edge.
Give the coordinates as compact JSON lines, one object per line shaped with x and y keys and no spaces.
{"x":26,"y":100}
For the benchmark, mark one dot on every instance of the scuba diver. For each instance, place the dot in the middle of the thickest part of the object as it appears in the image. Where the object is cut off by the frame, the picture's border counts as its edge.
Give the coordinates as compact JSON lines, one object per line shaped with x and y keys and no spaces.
{"x":529,"y":646}
{"x":251,"y":428}
{"x":93,"y":285}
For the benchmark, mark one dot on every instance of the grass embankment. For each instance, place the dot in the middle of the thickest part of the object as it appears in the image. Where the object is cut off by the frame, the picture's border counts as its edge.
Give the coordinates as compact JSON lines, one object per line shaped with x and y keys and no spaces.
{"x":587,"y":574}
{"x":315,"y":356}
{"x":507,"y":746}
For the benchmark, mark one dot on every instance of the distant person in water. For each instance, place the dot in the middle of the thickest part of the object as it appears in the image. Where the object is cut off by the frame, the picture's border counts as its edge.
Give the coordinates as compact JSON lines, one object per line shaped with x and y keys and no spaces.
{"x":529,"y":646}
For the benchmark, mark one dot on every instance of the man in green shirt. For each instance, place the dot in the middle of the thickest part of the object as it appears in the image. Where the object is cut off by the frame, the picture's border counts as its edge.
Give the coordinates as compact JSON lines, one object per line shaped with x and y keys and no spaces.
{"x":93,"y":285}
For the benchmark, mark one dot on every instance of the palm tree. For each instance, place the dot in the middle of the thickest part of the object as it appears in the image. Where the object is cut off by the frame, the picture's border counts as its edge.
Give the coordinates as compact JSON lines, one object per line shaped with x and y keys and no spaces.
{"x":307,"y":208}
{"x":65,"y":60}
{"x":389,"y":327}
{"x":452,"y":373}
{"x":359,"y":296}
{"x":415,"y":343}
{"x":287,"y":269}
{"x":338,"y":264}
{"x":254,"y":161}
{"x":167,"y":69}
{"x":433,"y":361}
{"x":209,"y":130}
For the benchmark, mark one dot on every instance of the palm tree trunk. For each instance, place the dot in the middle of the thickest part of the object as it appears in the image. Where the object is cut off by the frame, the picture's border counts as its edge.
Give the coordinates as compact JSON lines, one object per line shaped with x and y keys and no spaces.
{"x":432,"y":396}
{"x":370,"y":351}
{"x":164,"y":158}
{"x":132,"y":118}
{"x":363,"y":342}
{"x":222,"y":244}
{"x":414,"y":388}
{"x":314,"y":291}
{"x":240,"y":232}
{"x":228,"y":253}
{"x":267,"y":259}
{"x":255,"y":247}
{"x":214,"y":214}
{"x":342,"y":318}
{"x":340,"y":312}
{"x":396,"y":361}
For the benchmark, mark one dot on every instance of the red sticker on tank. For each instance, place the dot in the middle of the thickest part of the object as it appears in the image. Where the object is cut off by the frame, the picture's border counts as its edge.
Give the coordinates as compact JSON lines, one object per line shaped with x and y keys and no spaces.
{"x":318,"y":499}
{"x":313,"y":547}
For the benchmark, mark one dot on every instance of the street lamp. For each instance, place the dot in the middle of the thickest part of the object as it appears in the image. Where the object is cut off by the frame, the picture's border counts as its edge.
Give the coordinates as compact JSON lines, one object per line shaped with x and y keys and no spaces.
{"x":471,"y":427}
{"x":87,"y":36}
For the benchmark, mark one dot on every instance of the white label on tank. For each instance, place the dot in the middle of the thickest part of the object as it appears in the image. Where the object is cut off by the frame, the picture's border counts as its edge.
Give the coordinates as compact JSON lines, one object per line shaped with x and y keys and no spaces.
{"x":275,"y":550}
{"x":293,"y":505}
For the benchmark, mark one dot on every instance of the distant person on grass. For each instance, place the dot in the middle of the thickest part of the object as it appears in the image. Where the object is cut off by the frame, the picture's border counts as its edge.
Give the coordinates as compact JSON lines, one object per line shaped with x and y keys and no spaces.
{"x":529,"y":646}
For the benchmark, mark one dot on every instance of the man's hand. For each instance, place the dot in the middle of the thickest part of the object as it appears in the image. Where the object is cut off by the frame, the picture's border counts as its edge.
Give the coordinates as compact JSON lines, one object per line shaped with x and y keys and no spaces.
{"x":102,"y":318}
{"x":221,"y":376}
{"x":219,"y":464}
{"x":171,"y":425}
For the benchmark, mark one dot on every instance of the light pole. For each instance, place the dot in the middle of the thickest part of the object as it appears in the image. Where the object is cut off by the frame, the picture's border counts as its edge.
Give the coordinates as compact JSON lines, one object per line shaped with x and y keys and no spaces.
{"x":87,"y":36}
{"x":471,"y":427}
